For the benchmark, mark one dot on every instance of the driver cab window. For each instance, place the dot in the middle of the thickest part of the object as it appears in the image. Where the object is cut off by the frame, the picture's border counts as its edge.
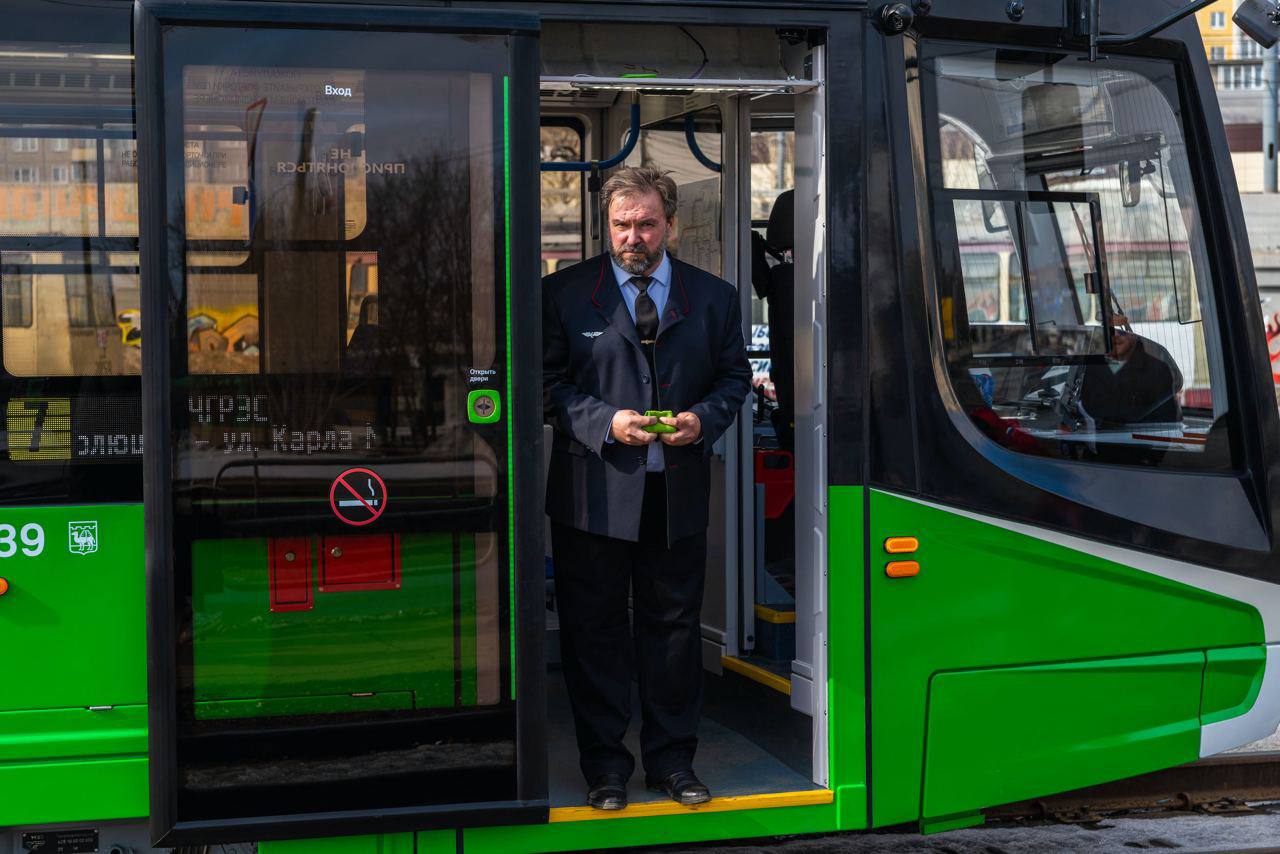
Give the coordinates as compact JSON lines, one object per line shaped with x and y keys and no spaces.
{"x":1076,"y":303}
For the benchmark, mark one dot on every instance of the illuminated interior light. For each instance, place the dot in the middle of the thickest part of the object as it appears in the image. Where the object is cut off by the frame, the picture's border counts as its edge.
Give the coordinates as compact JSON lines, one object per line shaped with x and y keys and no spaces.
{"x":675,"y":85}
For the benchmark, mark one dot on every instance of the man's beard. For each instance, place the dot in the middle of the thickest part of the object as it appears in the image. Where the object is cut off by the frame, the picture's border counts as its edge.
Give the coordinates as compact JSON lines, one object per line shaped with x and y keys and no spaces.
{"x":634,"y":267}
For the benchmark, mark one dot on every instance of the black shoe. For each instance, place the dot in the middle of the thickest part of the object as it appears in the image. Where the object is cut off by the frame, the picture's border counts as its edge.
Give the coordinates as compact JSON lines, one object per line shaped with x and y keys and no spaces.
{"x":682,"y":787}
{"x":608,"y":792}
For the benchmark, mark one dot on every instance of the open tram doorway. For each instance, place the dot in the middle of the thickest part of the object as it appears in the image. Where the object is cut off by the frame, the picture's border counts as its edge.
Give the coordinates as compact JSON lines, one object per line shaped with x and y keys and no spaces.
{"x":735,"y":115}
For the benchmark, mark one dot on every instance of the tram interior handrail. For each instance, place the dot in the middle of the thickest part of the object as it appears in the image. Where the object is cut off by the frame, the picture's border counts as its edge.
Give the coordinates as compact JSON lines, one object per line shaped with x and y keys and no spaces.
{"x":633,"y":136}
{"x":691,"y":138}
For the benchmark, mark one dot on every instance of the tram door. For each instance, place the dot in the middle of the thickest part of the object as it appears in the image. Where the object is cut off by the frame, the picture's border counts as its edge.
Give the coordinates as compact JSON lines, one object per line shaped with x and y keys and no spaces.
{"x":336,"y":237}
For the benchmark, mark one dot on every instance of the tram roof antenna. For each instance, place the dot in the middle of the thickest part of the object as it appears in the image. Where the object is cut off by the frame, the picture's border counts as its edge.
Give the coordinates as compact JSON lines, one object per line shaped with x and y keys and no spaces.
{"x":1260,"y":19}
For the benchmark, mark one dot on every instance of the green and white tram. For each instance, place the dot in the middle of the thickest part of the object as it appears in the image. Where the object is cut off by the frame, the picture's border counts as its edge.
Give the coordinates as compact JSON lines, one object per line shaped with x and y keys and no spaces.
{"x":1001,"y":520}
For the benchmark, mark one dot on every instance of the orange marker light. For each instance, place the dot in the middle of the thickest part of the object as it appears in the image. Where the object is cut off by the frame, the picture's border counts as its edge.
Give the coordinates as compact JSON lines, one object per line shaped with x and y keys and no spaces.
{"x":901,"y":568}
{"x":4,"y":586}
{"x":901,"y":545}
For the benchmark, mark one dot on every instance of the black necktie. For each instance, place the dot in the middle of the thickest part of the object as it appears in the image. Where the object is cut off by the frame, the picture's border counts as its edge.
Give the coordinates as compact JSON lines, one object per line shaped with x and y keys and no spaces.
{"x":647,"y":326}
{"x":646,"y":311}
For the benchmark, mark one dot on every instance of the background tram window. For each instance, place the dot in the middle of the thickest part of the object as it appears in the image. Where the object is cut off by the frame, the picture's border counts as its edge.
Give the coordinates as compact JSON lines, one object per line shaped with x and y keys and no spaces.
{"x":773,"y":155}
{"x":561,"y":199}
{"x":120,"y":183}
{"x":17,"y":300}
{"x":1078,"y":174}
{"x":71,"y":330}
{"x":89,"y":301}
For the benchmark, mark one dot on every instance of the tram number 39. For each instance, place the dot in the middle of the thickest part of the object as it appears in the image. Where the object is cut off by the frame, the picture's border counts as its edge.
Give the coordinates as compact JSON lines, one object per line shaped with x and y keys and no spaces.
{"x":31,"y":538}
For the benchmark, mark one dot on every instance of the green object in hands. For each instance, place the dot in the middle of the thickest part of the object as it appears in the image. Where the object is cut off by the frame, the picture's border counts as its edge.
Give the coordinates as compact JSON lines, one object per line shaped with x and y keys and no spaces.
{"x":658,"y":427}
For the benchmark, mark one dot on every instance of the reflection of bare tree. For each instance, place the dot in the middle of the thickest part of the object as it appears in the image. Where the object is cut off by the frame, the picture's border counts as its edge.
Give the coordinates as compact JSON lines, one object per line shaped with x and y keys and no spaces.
{"x":414,"y":351}
{"x":420,"y":225}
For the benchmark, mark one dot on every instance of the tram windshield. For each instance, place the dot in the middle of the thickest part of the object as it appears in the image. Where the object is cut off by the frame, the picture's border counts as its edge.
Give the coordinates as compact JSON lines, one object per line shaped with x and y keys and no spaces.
{"x":1077,"y":303}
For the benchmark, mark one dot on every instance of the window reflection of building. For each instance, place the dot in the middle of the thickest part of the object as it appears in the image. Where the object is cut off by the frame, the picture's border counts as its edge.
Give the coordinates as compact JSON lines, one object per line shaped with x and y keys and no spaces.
{"x":63,"y":309}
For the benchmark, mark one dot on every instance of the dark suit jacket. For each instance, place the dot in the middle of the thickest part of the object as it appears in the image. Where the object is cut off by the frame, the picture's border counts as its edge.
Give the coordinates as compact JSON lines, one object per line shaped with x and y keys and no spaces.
{"x":702,"y":368}
{"x":1144,"y":390}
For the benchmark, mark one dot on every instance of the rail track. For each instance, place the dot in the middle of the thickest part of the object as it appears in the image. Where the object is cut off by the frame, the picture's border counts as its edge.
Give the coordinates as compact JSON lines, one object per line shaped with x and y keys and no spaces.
{"x":1220,"y":785}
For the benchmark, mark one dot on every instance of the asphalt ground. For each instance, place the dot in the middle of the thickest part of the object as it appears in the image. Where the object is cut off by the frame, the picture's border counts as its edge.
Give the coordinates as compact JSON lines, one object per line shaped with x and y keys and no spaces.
{"x":1256,"y":832}
{"x":1259,"y":832}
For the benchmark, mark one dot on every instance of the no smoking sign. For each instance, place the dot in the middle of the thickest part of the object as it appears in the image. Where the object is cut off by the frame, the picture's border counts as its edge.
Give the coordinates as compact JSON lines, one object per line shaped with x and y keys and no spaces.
{"x":358,"y":497}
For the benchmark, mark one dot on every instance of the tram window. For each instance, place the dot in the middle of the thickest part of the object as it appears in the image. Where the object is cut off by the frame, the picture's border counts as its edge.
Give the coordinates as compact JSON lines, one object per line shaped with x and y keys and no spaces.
{"x":1079,"y":177}
{"x":120,"y":174}
{"x":561,"y":139}
{"x":47,"y":190}
{"x":88,"y":300}
{"x":222,"y":322}
{"x":217,"y":174}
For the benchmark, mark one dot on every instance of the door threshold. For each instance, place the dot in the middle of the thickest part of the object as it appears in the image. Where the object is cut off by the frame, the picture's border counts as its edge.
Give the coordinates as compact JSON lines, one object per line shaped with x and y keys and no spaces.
{"x":756,"y":673}
{"x":652,"y":808}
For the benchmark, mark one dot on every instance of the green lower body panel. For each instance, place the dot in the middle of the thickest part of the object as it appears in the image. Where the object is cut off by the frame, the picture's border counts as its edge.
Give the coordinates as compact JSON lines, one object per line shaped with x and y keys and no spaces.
{"x":959,"y":678}
{"x":73,"y":790}
{"x":1232,"y":682}
{"x":73,"y":719}
{"x":73,"y":764}
{"x":845,"y":623}
{"x":59,"y":734}
{"x":1041,"y":729}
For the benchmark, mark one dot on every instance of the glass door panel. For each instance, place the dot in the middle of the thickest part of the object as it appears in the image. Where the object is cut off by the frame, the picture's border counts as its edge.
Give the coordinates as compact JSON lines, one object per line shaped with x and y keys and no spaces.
{"x":336,"y":473}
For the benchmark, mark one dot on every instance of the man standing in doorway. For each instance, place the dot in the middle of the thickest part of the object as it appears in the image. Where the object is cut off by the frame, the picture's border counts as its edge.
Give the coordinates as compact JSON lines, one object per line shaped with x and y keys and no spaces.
{"x":630,"y":331}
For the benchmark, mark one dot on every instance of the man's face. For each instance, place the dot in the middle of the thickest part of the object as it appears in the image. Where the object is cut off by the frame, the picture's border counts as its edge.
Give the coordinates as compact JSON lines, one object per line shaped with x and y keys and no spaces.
{"x":638,"y":232}
{"x":1122,"y":343}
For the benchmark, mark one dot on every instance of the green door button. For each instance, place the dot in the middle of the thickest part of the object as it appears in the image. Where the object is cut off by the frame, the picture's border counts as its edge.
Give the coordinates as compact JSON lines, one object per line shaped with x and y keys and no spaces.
{"x":483,"y":406}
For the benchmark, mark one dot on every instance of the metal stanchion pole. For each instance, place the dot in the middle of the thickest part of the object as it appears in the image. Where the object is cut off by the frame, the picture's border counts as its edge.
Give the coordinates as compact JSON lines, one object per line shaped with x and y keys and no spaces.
{"x":1269,"y":119}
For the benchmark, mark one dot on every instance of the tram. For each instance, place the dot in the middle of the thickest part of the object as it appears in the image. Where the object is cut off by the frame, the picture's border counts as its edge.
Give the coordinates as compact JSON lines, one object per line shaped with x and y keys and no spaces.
{"x":1000,"y":521}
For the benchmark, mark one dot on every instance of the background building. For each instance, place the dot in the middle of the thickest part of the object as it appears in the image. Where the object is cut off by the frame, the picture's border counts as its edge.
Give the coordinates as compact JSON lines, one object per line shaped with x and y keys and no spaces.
{"x":1237,"y":64}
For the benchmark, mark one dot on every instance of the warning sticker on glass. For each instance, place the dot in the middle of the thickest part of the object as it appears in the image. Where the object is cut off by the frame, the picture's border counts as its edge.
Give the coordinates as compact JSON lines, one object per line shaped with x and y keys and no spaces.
{"x":358,"y":496}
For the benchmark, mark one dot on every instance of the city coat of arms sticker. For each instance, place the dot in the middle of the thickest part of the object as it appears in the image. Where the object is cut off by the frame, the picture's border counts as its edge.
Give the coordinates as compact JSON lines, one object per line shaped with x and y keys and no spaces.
{"x":82,"y":537}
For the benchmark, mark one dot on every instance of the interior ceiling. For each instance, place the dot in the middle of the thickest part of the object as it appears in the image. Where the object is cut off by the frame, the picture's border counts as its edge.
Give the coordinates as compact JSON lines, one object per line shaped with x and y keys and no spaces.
{"x":662,"y":50}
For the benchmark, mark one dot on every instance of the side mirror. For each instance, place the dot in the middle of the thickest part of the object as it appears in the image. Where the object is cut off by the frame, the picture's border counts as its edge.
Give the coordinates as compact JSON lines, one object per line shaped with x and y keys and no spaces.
{"x":993,"y":217}
{"x":1130,"y":183}
{"x":1260,"y":20}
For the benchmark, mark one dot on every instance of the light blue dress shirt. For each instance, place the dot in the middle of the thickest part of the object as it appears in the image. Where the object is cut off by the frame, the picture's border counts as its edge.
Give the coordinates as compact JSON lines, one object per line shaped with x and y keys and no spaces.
{"x":659,"y":288}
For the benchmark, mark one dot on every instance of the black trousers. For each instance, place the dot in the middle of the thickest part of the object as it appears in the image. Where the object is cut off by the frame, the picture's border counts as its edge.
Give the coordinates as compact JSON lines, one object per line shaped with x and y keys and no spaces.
{"x":662,"y":646}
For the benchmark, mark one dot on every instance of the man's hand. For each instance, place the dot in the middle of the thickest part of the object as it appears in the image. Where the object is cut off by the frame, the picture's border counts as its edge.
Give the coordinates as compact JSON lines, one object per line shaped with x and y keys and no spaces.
{"x":627,"y":424}
{"x":688,"y":429}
